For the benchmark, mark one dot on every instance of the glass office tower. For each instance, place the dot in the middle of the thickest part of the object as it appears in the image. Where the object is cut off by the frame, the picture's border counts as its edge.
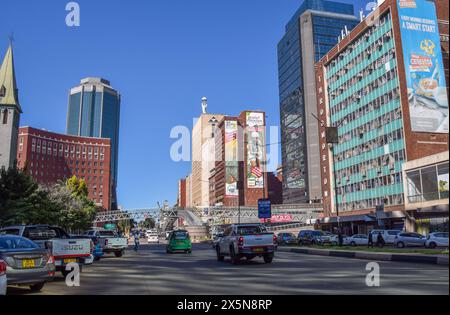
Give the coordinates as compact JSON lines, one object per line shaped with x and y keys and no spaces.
{"x":94,"y":111}
{"x":310,"y":34}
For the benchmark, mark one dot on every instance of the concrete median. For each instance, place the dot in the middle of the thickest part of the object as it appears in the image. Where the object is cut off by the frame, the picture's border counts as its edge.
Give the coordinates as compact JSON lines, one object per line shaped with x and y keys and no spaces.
{"x":414,"y":258}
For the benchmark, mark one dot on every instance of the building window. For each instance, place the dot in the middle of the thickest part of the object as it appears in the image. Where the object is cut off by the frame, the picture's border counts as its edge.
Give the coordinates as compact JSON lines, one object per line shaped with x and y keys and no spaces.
{"x":428,"y":183}
{"x":5,"y":116}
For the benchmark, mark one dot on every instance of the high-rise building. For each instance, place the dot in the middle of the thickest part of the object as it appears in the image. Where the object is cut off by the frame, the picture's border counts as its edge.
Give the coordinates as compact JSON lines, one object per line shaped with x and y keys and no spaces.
{"x":384,"y":88}
{"x":10,"y":111}
{"x":239,"y":175}
{"x":94,"y":111}
{"x":203,"y":156}
{"x":311,"y":33}
{"x":49,"y":157}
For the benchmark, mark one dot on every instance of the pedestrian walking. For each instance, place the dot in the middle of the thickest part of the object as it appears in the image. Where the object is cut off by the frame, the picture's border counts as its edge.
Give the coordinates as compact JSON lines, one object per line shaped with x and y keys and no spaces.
{"x":370,"y":243}
{"x":380,"y":240}
{"x":136,"y":242}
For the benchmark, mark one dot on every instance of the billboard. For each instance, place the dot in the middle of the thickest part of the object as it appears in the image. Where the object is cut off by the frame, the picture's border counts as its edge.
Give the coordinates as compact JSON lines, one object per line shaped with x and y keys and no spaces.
{"x":231,"y":159}
{"x":255,"y":150}
{"x":425,"y":77}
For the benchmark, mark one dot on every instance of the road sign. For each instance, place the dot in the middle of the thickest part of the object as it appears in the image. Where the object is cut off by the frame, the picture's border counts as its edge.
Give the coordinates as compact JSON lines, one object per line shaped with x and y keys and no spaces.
{"x":264,"y":209}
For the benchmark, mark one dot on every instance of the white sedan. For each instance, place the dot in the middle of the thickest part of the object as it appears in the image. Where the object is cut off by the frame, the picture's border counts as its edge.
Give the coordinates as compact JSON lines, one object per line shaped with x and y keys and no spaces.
{"x":357,"y":240}
{"x":2,"y":277}
{"x":437,"y":240}
{"x":152,"y":238}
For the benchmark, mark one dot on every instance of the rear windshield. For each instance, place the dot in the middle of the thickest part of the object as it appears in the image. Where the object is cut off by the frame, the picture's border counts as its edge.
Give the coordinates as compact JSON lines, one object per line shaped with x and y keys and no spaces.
{"x":180,"y":235}
{"x":16,"y":243}
{"x":42,"y":233}
{"x":250,"y":230}
{"x":107,"y":233}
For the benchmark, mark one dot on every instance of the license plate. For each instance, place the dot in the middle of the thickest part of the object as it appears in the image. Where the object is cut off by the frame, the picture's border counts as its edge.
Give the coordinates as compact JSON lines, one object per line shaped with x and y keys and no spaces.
{"x":28,"y":263}
{"x":71,"y":260}
{"x":258,"y":250}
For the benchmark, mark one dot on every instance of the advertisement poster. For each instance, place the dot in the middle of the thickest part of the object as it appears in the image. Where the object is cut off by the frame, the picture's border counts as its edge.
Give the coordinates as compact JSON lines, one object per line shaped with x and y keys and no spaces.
{"x":231,"y":159}
{"x":427,"y":93}
{"x":255,"y":150}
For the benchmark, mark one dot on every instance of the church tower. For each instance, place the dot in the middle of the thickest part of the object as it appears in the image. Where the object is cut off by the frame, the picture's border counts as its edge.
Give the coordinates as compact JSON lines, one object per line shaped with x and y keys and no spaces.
{"x":10,"y":111}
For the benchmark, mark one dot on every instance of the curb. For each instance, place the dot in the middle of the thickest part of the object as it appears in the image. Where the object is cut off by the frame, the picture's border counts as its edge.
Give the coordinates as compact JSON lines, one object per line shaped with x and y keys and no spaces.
{"x":413,"y":258}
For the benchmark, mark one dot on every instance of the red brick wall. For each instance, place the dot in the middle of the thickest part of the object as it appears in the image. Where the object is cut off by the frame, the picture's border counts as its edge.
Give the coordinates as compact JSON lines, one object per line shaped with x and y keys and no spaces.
{"x":47,"y":168}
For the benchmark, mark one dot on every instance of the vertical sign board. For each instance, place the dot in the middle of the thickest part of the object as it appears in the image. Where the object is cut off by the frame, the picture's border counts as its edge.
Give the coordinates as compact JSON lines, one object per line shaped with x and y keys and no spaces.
{"x":264,"y":209}
{"x":231,"y":159}
{"x":427,"y":93}
{"x":255,"y":150}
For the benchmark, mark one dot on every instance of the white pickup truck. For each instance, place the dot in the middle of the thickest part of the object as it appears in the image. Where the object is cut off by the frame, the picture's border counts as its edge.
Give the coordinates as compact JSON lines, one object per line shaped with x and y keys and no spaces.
{"x":61,"y":246}
{"x":246,"y":240}
{"x":110,"y":242}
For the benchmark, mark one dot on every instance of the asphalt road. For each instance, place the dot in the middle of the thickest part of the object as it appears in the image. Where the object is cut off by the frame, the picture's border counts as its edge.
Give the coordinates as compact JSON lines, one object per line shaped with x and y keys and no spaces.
{"x":152,"y":271}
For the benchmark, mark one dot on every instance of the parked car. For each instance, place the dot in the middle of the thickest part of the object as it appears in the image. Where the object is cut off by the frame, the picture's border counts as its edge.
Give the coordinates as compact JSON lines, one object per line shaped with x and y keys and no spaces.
{"x":25,"y":262}
{"x":326,"y":238}
{"x":439,"y":239}
{"x":62,"y":247}
{"x":388,"y":235}
{"x":109,"y":241}
{"x":409,"y":239}
{"x":247,"y":240}
{"x":335,"y":239}
{"x":357,"y":240}
{"x":286,"y":239}
{"x":2,"y":277}
{"x":179,"y":241}
{"x":310,"y":237}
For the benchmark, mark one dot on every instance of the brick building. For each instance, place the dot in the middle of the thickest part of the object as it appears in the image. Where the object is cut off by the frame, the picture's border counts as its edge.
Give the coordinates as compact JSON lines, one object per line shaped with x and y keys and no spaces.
{"x":239,"y":176}
{"x":369,"y":87}
{"x":49,"y":157}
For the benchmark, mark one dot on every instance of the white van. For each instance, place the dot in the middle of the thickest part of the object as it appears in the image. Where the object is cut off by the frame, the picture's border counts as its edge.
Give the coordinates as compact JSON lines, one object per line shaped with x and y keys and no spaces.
{"x":152,"y":236}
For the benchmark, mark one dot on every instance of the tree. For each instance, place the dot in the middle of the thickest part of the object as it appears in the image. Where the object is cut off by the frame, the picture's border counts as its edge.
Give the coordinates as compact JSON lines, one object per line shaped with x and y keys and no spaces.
{"x":22,"y":201}
{"x":77,"y":187}
{"x":147,"y":224}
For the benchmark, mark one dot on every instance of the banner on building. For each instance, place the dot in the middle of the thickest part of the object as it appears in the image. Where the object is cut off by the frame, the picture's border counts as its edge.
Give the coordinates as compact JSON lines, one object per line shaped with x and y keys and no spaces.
{"x":231,"y":158}
{"x":427,"y":92}
{"x":255,"y":150}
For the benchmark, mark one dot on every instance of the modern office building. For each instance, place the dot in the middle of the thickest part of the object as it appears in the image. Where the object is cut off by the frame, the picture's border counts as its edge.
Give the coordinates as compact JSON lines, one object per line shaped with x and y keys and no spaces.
{"x":49,"y":157}
{"x":10,"y":111}
{"x":310,"y":34}
{"x":203,"y":156}
{"x":384,"y":88}
{"x":239,"y":176}
{"x":94,"y":111}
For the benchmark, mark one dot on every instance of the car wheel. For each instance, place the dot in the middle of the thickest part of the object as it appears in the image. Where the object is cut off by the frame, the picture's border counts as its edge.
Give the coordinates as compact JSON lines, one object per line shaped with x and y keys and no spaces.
{"x":118,"y":254}
{"x":432,"y":245}
{"x":401,"y":245}
{"x":268,"y":258}
{"x":233,"y":256}
{"x":353,"y":244}
{"x":37,"y":287}
{"x":219,"y":256}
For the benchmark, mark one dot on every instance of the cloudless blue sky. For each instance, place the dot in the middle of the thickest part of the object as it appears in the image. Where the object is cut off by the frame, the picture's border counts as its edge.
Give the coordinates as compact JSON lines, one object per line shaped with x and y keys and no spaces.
{"x":162,"y":56}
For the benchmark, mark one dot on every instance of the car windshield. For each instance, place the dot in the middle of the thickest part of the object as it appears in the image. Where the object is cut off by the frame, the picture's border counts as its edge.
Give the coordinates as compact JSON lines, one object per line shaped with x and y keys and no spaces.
{"x":107,"y":233}
{"x":7,"y":243}
{"x":180,"y":235}
{"x":40,"y":233}
{"x":317,"y":233}
{"x":250,"y":230}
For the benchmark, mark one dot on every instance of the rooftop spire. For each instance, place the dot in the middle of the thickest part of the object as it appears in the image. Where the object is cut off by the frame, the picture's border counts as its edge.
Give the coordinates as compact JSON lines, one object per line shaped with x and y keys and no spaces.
{"x":8,"y":86}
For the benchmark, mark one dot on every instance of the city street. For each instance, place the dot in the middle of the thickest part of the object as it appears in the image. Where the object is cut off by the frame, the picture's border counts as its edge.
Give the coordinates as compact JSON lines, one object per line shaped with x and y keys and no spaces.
{"x":152,"y":271}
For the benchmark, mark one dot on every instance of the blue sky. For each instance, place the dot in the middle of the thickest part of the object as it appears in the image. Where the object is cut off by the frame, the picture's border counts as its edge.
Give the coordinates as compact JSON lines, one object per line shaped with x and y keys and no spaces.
{"x":162,"y":56}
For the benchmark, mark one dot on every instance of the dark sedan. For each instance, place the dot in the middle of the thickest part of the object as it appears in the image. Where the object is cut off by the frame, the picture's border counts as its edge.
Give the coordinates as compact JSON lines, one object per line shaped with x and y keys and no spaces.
{"x":26,"y":263}
{"x":286,"y":239}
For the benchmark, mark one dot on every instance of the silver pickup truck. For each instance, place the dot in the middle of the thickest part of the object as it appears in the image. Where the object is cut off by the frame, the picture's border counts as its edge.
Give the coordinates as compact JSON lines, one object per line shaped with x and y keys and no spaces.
{"x":246,"y":240}
{"x":61,"y":246}
{"x":109,"y":241}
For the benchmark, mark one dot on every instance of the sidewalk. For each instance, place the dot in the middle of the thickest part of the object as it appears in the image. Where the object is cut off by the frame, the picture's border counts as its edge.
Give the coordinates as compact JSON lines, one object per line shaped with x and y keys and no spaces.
{"x":406,"y":257}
